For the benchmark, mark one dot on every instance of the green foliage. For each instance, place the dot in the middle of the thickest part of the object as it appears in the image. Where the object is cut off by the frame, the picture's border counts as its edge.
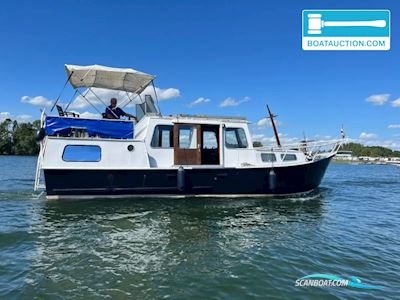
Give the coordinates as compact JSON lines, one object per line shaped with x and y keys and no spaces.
{"x":257,"y":144}
{"x":18,"y":139}
{"x":6,"y":137}
{"x":372,"y":151}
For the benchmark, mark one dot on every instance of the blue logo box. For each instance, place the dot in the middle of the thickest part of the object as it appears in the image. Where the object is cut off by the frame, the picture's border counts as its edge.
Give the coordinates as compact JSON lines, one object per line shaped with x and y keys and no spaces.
{"x":346,"y":23}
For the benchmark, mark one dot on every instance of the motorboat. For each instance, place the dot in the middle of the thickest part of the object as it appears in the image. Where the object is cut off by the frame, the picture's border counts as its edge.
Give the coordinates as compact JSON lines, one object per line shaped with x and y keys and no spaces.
{"x":155,"y":155}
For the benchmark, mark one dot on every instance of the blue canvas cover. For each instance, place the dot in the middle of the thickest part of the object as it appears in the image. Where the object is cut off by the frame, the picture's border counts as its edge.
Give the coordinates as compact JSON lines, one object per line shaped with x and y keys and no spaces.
{"x":102,"y":128}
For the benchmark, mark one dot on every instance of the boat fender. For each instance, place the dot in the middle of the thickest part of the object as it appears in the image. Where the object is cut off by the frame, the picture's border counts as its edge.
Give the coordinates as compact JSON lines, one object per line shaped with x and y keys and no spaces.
{"x":181,"y":179}
{"x":40,"y":134}
{"x":272,"y":179}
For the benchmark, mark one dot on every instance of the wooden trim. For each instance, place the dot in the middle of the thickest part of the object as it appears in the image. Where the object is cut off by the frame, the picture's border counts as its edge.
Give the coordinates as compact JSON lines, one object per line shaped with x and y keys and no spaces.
{"x":187,"y":156}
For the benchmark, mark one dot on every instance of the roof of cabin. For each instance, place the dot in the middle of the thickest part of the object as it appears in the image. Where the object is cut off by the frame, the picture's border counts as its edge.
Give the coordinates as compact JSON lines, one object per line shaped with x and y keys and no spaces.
{"x":204,"y":118}
{"x":211,"y":117}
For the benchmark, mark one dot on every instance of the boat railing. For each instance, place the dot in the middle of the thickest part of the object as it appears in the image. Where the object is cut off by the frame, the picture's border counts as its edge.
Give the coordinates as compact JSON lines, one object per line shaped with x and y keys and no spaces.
{"x":313,"y":150}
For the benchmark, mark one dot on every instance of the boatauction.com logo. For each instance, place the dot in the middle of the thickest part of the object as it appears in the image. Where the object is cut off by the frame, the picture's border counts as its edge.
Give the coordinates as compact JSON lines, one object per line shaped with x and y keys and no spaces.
{"x":326,"y":280}
{"x":346,"y":29}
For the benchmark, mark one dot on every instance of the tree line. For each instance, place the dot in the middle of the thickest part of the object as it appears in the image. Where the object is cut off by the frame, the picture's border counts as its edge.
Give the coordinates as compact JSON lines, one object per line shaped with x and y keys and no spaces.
{"x":18,"y":138}
{"x":360,"y":150}
{"x":372,"y":151}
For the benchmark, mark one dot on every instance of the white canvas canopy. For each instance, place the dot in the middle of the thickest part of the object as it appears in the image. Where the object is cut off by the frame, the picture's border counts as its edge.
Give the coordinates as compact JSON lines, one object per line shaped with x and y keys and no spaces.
{"x":122,"y":79}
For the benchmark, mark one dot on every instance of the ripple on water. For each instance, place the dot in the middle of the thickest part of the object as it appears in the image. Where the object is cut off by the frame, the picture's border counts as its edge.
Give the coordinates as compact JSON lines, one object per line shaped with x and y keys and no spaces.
{"x":210,"y":248}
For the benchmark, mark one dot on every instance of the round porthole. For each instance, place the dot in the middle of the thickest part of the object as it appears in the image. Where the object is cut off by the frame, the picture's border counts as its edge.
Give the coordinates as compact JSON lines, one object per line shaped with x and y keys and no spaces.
{"x":131,"y":148}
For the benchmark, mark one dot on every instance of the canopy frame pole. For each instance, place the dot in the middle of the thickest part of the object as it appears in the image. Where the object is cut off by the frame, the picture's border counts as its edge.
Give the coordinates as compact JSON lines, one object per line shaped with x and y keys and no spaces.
{"x":131,"y":99}
{"x":84,"y":97}
{"x":103,"y":103}
{"x":89,"y":88}
{"x":65,"y":84}
{"x":128,"y":100}
{"x":123,"y":101}
{"x":155,"y":94}
{"x":88,"y":71}
{"x":123,"y":86}
{"x":141,"y":101}
{"x":137,"y":94}
{"x":69,"y":103}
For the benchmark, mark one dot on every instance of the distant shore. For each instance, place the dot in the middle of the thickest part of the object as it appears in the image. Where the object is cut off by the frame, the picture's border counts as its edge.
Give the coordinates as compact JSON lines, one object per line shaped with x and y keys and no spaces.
{"x":363,"y":162}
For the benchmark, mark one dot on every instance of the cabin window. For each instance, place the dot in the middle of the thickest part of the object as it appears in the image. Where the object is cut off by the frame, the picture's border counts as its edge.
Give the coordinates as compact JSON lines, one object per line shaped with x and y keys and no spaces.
{"x":288,"y":157}
{"x":81,"y":153}
{"x":210,"y":140}
{"x":163,"y":137}
{"x":268,"y":157}
{"x":235,"y":138}
{"x":187,"y":137}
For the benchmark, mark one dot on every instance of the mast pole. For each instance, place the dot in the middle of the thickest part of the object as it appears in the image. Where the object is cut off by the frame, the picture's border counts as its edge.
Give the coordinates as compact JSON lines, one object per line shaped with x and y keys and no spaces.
{"x":271,"y":116}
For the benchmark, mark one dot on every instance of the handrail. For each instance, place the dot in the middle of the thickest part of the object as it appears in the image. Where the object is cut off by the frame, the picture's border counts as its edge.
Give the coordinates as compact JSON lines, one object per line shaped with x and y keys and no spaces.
{"x":302,"y":145}
{"x":312,"y":150}
{"x":39,"y":164}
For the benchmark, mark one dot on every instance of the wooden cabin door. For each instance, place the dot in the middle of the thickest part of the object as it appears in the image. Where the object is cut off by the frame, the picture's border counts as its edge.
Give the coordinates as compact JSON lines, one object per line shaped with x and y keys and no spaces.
{"x":187,"y":144}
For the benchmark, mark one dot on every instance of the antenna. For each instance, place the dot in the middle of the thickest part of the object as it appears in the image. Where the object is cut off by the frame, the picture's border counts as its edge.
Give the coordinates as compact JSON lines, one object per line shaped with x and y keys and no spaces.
{"x":271,"y":117}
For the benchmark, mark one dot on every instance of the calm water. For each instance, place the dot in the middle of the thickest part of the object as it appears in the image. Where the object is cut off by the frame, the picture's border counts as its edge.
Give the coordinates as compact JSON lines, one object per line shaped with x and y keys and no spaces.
{"x":201,"y":248}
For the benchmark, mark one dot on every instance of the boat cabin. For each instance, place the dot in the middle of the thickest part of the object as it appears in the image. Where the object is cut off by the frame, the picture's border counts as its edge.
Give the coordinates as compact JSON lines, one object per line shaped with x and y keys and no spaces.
{"x":193,"y":140}
{"x":158,"y":142}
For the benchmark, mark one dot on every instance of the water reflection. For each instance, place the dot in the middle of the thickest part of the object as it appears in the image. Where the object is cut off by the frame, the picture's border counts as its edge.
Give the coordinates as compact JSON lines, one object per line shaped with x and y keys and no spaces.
{"x":135,"y":244}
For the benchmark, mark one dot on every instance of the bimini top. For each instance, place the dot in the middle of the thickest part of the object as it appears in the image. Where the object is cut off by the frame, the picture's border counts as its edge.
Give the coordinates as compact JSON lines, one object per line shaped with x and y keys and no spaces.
{"x":128,"y":80}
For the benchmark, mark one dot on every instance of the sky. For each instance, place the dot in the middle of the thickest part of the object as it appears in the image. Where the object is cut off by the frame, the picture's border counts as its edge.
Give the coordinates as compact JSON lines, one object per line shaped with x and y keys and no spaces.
{"x":210,"y":57}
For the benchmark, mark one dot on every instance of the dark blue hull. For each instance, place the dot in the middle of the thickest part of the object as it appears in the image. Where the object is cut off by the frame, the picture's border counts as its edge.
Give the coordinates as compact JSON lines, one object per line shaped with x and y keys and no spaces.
{"x":201,"y":181}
